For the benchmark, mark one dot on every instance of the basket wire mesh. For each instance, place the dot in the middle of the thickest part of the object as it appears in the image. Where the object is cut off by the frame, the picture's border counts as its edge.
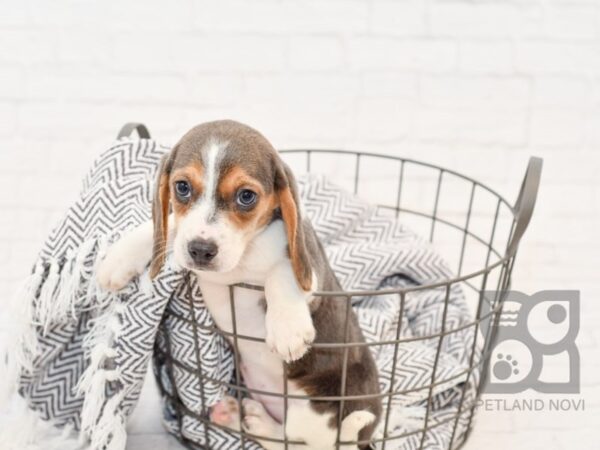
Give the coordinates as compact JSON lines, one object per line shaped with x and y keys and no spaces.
{"x":487,"y":283}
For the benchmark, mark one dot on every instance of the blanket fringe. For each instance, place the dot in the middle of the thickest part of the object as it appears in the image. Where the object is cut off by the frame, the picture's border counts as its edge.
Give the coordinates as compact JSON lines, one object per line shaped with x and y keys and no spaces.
{"x":45,"y":303}
{"x":110,"y":432}
{"x":70,"y":286}
{"x":21,"y":344}
{"x":61,"y":291}
{"x":101,"y":420}
{"x":50,"y":296}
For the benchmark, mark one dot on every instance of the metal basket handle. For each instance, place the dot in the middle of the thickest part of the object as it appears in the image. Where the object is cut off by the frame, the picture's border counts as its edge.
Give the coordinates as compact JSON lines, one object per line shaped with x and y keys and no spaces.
{"x":130,"y":127}
{"x":525,"y":203}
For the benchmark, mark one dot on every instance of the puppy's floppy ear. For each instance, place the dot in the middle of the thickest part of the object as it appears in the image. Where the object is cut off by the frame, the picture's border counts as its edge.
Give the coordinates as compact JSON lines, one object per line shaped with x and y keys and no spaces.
{"x":287,"y":193}
{"x":160,"y":213}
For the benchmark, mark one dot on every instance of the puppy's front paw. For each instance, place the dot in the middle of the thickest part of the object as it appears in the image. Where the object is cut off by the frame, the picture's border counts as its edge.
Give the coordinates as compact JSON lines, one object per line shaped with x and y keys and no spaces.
{"x":290,"y":331}
{"x":119,"y":267}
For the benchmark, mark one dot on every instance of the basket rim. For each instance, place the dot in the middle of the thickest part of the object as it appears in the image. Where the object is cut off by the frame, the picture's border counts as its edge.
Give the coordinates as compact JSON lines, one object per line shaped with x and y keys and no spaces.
{"x":359,"y":153}
{"x":504,"y":259}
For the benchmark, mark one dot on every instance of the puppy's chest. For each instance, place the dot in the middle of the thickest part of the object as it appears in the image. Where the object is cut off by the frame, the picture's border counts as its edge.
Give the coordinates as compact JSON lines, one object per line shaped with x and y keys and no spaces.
{"x":246,"y":304}
{"x":257,"y":361}
{"x":261,"y":369}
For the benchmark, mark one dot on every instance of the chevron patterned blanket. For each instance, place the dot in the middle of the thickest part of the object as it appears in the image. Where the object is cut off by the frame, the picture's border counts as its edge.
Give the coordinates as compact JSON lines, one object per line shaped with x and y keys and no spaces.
{"x":81,"y":356}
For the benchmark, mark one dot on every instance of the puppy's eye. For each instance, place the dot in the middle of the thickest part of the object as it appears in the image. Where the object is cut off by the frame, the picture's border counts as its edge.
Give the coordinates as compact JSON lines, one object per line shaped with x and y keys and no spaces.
{"x":246,"y":198}
{"x":183,"y":189}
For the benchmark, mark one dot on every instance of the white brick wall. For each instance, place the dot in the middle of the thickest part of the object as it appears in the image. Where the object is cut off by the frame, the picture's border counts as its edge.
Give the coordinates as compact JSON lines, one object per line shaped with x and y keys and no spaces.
{"x":475,"y":85}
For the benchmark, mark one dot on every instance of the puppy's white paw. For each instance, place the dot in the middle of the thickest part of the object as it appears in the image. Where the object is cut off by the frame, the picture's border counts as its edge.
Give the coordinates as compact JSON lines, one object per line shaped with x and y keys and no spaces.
{"x":290,"y":331}
{"x":120,"y":265}
{"x":257,"y":420}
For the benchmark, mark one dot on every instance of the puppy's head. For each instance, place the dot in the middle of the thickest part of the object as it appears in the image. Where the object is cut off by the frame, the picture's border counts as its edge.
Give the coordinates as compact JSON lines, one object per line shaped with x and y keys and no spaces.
{"x":225,"y":183}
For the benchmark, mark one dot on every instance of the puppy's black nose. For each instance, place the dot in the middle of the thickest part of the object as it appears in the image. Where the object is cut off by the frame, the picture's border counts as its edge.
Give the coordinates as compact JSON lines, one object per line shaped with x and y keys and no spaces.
{"x":202,"y":251}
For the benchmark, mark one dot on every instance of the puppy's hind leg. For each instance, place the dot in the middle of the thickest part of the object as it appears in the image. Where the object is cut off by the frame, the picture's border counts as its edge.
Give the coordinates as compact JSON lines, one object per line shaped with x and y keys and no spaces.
{"x":304,"y":425}
{"x":256,"y":420}
{"x":259,"y":423}
{"x":226,"y":413}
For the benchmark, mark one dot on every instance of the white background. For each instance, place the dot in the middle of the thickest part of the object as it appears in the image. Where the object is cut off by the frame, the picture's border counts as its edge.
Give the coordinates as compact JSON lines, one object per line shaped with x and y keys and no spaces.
{"x":476,"y":86}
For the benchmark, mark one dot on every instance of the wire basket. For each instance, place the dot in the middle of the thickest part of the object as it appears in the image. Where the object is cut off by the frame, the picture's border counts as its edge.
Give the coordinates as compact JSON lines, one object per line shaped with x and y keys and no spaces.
{"x":474,"y":228}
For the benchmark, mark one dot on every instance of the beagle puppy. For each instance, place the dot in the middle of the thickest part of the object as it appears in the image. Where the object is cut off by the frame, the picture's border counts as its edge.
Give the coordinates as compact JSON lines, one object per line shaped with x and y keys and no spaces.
{"x":236,"y":219}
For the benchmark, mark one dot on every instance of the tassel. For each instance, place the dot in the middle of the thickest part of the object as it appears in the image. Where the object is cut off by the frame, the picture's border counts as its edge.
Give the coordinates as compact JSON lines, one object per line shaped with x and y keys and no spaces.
{"x":72,"y":277}
{"x":94,"y":295}
{"x":93,"y":384}
{"x":109,"y":432}
{"x":99,"y":355}
{"x":106,"y":325}
{"x":61,"y":304}
{"x":95,"y":397}
{"x":25,"y":331}
{"x":118,"y":440}
{"x":79,"y":270}
{"x":60,"y":294}
{"x":45,"y":299}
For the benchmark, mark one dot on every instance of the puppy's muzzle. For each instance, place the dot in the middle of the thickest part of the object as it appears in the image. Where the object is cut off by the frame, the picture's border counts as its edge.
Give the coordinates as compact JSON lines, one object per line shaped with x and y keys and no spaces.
{"x":202,"y":251}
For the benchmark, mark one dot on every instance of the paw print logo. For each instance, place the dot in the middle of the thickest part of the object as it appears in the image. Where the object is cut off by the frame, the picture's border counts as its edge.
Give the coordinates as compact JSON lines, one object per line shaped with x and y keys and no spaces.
{"x":533,"y":331}
{"x":505,"y":367}
{"x":510,"y":364}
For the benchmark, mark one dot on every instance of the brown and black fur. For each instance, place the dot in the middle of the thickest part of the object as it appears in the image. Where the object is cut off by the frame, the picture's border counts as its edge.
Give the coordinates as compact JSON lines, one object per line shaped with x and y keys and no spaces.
{"x":319,"y":371}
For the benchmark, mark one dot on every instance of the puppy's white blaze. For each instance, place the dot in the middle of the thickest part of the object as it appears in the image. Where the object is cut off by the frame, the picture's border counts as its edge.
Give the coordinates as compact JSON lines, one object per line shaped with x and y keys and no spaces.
{"x":212,"y":156}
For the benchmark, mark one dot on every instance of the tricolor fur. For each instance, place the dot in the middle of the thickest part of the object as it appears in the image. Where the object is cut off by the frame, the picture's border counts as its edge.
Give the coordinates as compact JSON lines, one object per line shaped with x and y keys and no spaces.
{"x":236,"y":218}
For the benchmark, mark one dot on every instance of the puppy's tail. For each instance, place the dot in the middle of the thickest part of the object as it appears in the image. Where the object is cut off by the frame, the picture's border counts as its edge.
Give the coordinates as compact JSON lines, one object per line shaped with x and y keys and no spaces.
{"x":353,"y":423}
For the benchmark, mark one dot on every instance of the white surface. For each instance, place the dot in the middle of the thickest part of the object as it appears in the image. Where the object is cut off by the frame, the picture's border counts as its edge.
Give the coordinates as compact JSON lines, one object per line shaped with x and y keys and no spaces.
{"x":476,"y":86}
